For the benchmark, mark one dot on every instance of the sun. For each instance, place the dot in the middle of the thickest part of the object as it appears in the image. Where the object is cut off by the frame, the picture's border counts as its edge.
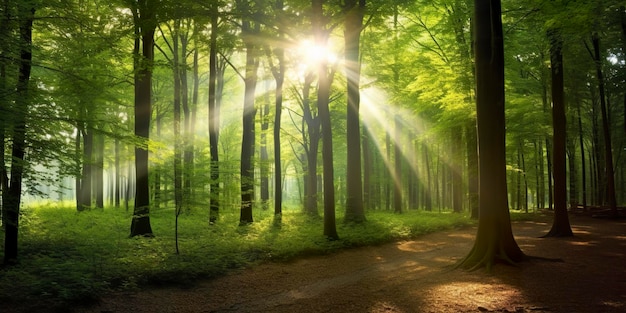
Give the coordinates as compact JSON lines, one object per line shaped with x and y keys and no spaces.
{"x":313,"y":54}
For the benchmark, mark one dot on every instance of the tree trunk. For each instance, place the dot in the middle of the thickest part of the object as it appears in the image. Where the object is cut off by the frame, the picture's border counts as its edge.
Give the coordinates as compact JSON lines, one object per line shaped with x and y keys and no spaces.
{"x":354,"y":187}
{"x":606,"y":129}
{"x":279,"y":76}
{"x":86,"y":179}
{"x":325,"y":79}
{"x":582,"y":157}
{"x":397,"y":175}
{"x":472,"y":168}
{"x":118,"y":174}
{"x":494,"y":238}
{"x":13,"y":197}
{"x":560,"y":224}
{"x":178,"y":141}
{"x":187,"y":135}
{"x":98,"y":175}
{"x":313,"y":129}
{"x":264,"y":167}
{"x":145,"y":19}
{"x":247,"y":141}
{"x":456,"y":162}
{"x":213,"y":119}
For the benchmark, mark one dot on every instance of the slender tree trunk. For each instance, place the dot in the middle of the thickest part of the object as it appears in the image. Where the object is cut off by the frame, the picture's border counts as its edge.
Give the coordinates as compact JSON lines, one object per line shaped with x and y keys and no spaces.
{"x":145,"y":19}
{"x":213,"y":119}
{"x":397,"y":176}
{"x":178,"y":145}
{"x":247,"y":141}
{"x":313,"y":129}
{"x":264,"y":167}
{"x":4,"y":105}
{"x":187,"y":135}
{"x":582,"y":157}
{"x":560,"y":225}
{"x":86,"y":180}
{"x":325,"y":80}
{"x":98,"y":176}
{"x":457,"y":161}
{"x":606,"y":129}
{"x":428,"y":203}
{"x":368,"y":190}
{"x":118,"y":174}
{"x":472,"y":168}
{"x":13,"y":197}
{"x":279,"y":76}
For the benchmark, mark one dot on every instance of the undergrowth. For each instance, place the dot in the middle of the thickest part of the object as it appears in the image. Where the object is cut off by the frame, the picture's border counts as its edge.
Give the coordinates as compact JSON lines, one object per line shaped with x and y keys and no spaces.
{"x":69,"y":257}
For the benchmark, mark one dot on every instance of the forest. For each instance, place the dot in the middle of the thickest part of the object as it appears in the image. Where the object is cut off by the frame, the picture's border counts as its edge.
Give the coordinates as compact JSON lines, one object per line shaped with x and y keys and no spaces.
{"x":156,"y":140}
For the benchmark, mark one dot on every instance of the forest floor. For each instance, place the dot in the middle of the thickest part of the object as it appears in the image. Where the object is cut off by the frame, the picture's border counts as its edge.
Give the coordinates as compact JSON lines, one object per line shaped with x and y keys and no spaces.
{"x":417,"y":276}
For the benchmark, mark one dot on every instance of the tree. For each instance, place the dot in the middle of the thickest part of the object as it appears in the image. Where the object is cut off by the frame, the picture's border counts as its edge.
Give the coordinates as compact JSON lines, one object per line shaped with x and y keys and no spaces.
{"x":214,"y":117}
{"x":11,"y":201}
{"x":354,"y":187}
{"x":145,"y":26}
{"x":494,"y":238}
{"x":248,"y":33}
{"x":324,"y":80}
{"x":560,"y":225}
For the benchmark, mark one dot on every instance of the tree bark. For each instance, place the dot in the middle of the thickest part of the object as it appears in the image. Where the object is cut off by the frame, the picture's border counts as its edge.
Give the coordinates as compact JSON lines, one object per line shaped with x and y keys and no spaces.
{"x":213,"y":119}
{"x":145,"y":18}
{"x":354,"y":187}
{"x":12,"y":199}
{"x":606,"y":129}
{"x":247,"y":141}
{"x":560,"y":224}
{"x":494,"y":238}
{"x":325,"y":78}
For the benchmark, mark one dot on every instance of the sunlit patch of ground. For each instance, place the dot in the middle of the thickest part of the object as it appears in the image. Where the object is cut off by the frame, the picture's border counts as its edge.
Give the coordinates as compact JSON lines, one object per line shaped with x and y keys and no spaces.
{"x":381,"y":307}
{"x":488,"y":296}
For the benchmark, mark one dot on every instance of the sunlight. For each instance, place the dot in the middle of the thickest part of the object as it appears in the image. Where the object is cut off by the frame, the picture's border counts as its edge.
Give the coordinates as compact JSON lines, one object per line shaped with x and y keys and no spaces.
{"x":312,"y":55}
{"x":379,"y":116}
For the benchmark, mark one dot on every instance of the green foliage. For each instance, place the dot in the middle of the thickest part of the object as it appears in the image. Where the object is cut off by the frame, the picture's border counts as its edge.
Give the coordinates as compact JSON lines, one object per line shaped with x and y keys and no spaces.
{"x":68,"y":256}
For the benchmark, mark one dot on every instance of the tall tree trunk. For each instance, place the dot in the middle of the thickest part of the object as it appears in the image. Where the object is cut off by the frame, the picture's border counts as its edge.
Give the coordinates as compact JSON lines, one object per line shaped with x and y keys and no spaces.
{"x":397,"y":176}
{"x":5,"y":101}
{"x":560,"y":224}
{"x":187,"y":135}
{"x":456,"y":162}
{"x":354,"y":187}
{"x":86,"y":180}
{"x":472,"y":168}
{"x":179,"y":144}
{"x":313,"y":129}
{"x":494,"y":238}
{"x":13,"y":197}
{"x":264,"y":166}
{"x":368,"y":190}
{"x":428,"y":202}
{"x":213,"y":119}
{"x":118,"y":174}
{"x":248,"y":137}
{"x":279,"y":76}
{"x":98,"y":184}
{"x":606,"y":128}
{"x":145,"y":19}
{"x":325,"y":79}
{"x":582,"y":157}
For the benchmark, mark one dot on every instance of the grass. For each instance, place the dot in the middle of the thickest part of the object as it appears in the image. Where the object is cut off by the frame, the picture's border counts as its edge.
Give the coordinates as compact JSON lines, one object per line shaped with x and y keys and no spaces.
{"x":67,"y":256}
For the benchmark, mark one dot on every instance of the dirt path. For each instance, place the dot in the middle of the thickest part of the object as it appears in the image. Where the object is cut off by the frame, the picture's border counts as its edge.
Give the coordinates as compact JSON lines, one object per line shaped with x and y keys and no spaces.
{"x":412,"y":277}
